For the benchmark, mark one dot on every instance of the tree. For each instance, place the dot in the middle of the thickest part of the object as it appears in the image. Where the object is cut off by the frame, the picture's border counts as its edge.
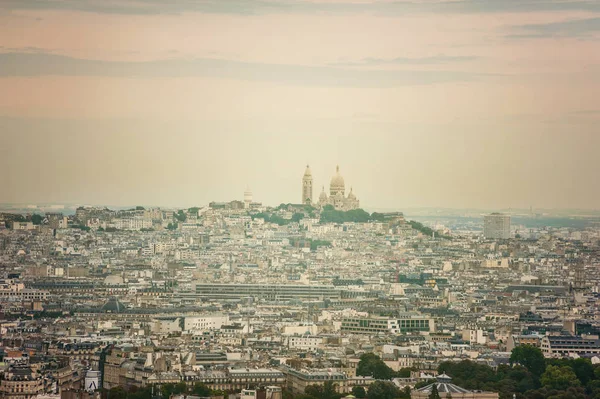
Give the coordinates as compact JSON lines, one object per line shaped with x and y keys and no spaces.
{"x":325,"y":391}
{"x":559,"y":377}
{"x":371,"y":365}
{"x":434,"y":392}
{"x":117,"y":393}
{"x":180,"y":215}
{"x":36,"y":219}
{"x":530,"y":357}
{"x":359,"y":392}
{"x":200,"y":389}
{"x":583,"y":369}
{"x":382,"y":390}
{"x":405,"y":372}
{"x":376,"y":216}
{"x":468,"y":374}
{"x":172,"y":226}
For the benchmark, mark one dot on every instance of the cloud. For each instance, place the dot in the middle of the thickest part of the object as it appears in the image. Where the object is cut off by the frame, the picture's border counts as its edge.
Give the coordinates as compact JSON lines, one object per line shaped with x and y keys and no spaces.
{"x":38,"y":64}
{"x":27,"y":49}
{"x":588,"y":112}
{"x":433,"y":60}
{"x":571,"y":28}
{"x":382,"y":7}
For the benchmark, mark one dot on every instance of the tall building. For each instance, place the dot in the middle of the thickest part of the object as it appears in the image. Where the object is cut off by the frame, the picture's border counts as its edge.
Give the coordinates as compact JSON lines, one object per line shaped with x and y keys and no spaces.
{"x":496,"y":226}
{"x":307,"y":187}
{"x":247,"y":198}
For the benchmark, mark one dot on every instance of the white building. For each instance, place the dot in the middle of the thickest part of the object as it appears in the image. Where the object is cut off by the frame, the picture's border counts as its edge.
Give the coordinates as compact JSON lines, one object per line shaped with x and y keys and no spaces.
{"x":496,"y":226}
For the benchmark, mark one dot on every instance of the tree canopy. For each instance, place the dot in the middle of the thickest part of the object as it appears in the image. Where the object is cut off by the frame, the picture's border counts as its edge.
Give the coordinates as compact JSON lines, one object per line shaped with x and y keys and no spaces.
{"x":36,"y":219}
{"x":530,"y":357}
{"x":371,"y":365}
{"x":561,"y":378}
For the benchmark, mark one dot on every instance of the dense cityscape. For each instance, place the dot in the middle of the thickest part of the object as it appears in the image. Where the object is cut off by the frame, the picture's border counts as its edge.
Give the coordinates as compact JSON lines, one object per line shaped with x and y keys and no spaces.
{"x":318,"y":299}
{"x":299,"y":199}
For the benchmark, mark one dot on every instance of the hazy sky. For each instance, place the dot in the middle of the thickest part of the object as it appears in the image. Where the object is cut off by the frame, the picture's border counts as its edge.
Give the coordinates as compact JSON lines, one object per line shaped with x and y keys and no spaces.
{"x":461,"y":103}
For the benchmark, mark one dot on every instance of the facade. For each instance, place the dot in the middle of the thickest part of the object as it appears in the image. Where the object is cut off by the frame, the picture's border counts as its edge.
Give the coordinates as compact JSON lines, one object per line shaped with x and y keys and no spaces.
{"x":408,"y":323}
{"x":564,"y":345}
{"x":21,"y":383}
{"x":132,"y":223}
{"x":305,"y":342}
{"x":496,"y":226}
{"x":272,"y":292}
{"x":298,"y":380}
{"x":204,"y":322}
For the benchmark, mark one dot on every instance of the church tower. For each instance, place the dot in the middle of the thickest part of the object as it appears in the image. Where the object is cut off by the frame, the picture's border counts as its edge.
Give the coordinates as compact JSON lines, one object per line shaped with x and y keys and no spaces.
{"x":307,"y":187}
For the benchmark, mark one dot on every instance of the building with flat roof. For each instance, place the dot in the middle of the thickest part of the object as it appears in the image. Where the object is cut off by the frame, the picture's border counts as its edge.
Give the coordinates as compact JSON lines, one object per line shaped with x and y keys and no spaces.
{"x":496,"y":226}
{"x":403,"y":324}
{"x":563,"y":345}
{"x":270,"y":292}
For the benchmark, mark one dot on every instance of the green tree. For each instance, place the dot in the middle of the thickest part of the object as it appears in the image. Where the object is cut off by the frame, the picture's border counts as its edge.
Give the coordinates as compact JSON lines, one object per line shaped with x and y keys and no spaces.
{"x":180,"y":215}
{"x":371,"y":365}
{"x":530,"y":357}
{"x":359,"y":392}
{"x":200,"y":389}
{"x":559,"y":377}
{"x":314,"y":244}
{"x":383,"y":390}
{"x":583,"y":369}
{"x":139,"y":393}
{"x":117,"y":393}
{"x":405,"y":372}
{"x":378,"y":217}
{"x":325,"y":391}
{"x":36,"y":219}
{"x":434,"y":392}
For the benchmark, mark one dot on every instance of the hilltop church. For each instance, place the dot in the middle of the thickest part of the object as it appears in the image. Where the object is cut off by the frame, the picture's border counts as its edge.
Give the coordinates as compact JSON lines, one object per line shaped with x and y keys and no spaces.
{"x":337,"y":193}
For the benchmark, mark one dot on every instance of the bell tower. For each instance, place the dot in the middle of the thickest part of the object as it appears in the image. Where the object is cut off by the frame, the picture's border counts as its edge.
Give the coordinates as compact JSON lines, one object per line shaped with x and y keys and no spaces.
{"x":307,"y":187}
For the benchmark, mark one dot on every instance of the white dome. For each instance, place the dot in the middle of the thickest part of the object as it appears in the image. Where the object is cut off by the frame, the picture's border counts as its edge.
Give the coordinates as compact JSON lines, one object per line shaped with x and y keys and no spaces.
{"x":323,"y":196}
{"x":337,"y":184}
{"x":351,"y":194}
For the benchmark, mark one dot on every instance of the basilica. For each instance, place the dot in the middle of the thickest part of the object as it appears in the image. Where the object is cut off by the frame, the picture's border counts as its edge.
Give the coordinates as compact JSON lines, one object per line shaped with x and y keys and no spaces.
{"x":337,"y":193}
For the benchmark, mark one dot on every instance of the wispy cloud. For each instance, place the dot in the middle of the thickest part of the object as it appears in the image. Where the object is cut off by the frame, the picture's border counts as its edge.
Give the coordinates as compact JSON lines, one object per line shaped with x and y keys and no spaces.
{"x":36,"y":64}
{"x":588,"y":112}
{"x":433,"y":60}
{"x":301,"y":6}
{"x":27,"y":49}
{"x":571,"y":28}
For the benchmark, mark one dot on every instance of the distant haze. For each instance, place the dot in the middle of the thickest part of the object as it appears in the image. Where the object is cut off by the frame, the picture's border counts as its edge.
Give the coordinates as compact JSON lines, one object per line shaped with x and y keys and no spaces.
{"x":465,"y":104}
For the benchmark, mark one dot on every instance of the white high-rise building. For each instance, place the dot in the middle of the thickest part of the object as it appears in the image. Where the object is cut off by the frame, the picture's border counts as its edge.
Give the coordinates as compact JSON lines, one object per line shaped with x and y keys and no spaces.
{"x":247,"y":198}
{"x":496,"y":226}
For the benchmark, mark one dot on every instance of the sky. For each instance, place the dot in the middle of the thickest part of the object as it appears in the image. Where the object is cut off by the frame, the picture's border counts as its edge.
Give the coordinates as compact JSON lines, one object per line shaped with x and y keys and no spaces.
{"x":460,"y":103}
